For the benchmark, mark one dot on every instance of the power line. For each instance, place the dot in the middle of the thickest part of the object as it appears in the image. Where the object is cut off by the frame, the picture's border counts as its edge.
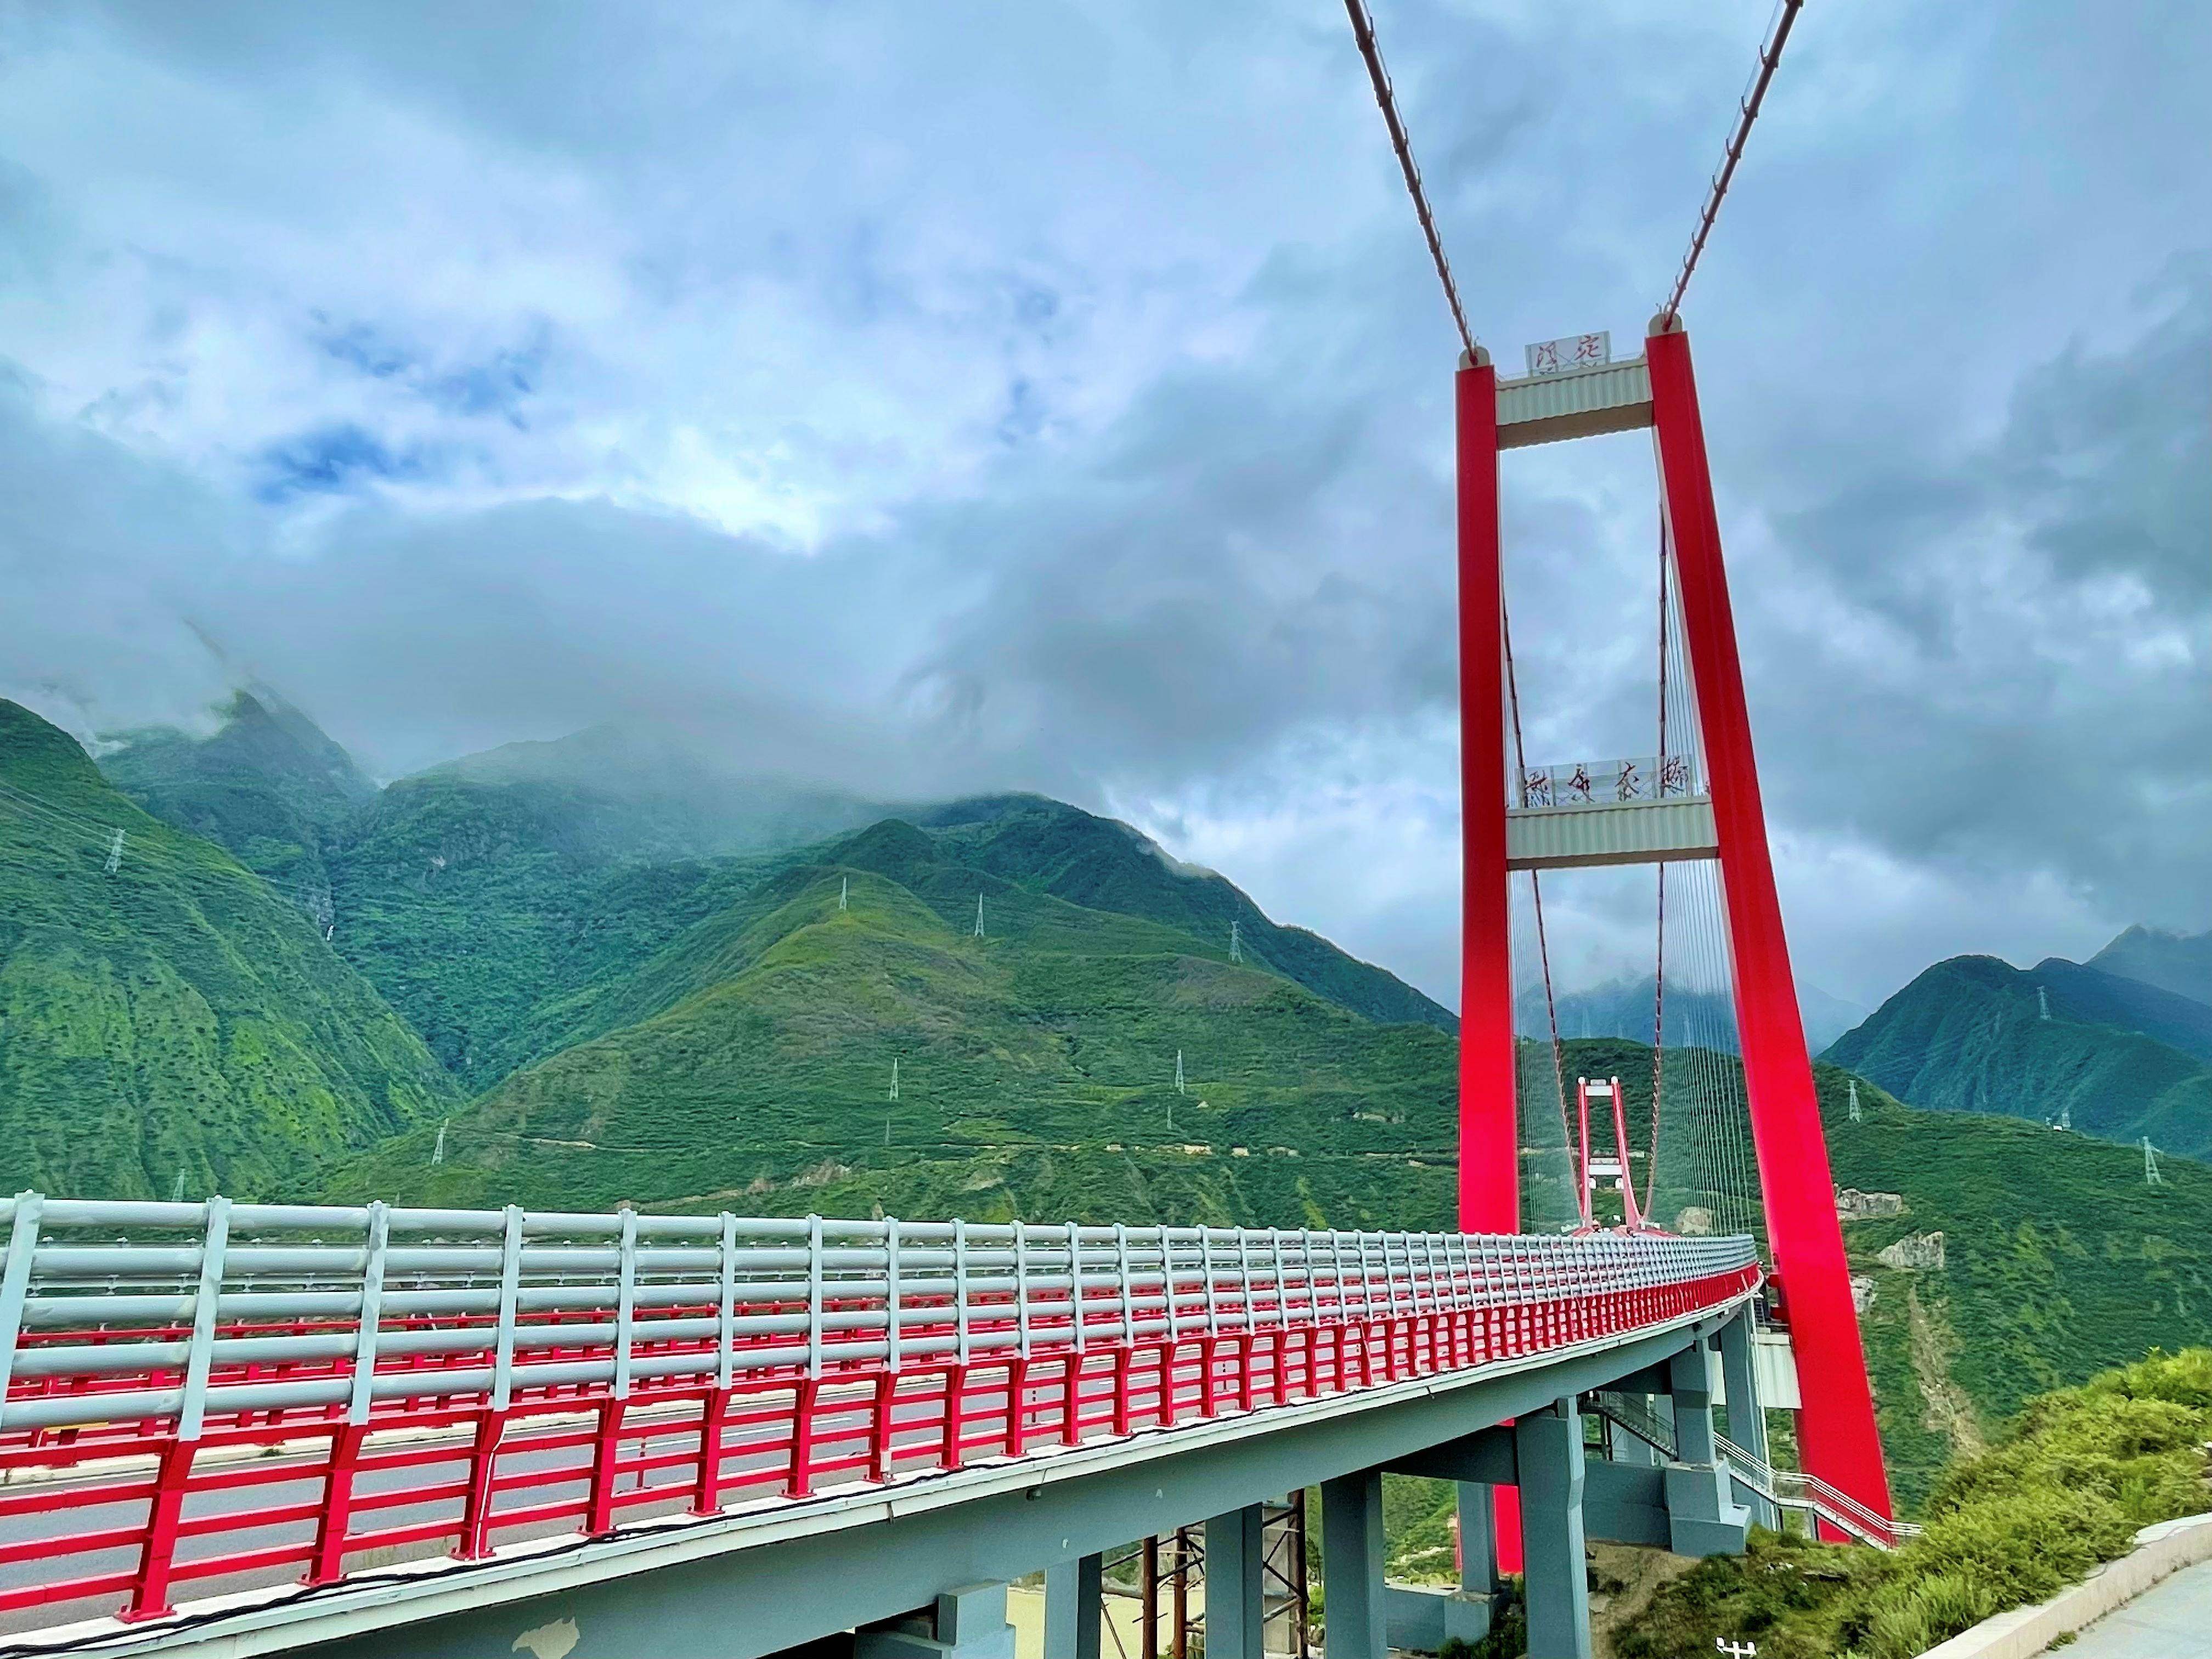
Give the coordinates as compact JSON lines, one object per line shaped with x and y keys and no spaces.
{"x":1363,"y":30}
{"x":1770,"y":54}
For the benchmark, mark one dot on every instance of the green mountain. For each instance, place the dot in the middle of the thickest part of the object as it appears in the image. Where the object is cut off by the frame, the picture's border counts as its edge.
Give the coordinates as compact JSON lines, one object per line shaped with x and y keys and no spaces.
{"x":2059,"y":1261}
{"x":2179,"y":963}
{"x":2117,"y":1058}
{"x":1624,"y":1007}
{"x":645,"y":1012}
{"x":496,"y":901}
{"x":751,"y":1064}
{"x":174,"y":1018}
{"x":268,"y":785}
{"x":469,"y":905}
{"x":1050,"y":847}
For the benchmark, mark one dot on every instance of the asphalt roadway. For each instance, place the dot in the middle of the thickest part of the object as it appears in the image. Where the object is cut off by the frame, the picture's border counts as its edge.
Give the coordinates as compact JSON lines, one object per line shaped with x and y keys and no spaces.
{"x":2171,"y":1620}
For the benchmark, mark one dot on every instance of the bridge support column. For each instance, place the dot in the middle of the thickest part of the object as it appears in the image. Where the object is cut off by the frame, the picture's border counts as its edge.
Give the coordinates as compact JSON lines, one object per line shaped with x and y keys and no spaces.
{"x":1747,"y":1413}
{"x":1548,"y":1445}
{"x":1351,"y":1566}
{"x":968,"y":1623}
{"x":1236,"y":1584}
{"x":1478,"y":1540}
{"x":1071,"y":1592}
{"x":1702,"y":1513}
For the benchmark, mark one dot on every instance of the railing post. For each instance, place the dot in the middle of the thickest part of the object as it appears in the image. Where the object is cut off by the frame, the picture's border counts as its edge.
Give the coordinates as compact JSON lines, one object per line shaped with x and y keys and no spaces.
{"x":714,"y":1414}
{"x":606,"y":1448}
{"x":1125,"y":1350}
{"x":1017,"y":1370}
{"x":328,"y":1563}
{"x":491,"y":1421}
{"x":1209,"y":1346}
{"x":149,"y":1594}
{"x":956,"y":1378}
{"x":1070,"y":1429}
{"x":800,"y":1482}
{"x":887,"y":1384}
{"x":15,"y":1282}
{"x":1282,"y":1318}
{"x":1165,"y":1406}
{"x":1247,"y":1341}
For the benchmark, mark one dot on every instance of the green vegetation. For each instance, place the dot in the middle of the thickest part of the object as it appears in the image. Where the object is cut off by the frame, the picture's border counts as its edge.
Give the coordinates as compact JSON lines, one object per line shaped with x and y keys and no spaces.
{"x":649,"y":992}
{"x":473,"y":906}
{"x":750,"y":1065}
{"x":2059,"y":1262}
{"x":174,"y":1018}
{"x":2116,"y":1057}
{"x":268,"y":786}
{"x":2067,"y":1488}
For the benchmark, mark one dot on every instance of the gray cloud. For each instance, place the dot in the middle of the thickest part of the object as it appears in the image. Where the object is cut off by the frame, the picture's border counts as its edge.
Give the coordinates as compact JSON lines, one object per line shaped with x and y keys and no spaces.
{"x":935,"y":399}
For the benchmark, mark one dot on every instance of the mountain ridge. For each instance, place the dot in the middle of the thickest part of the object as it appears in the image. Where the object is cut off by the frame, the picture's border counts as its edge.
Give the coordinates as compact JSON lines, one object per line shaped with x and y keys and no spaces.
{"x":171,"y":1018}
{"x":1971,"y":1034}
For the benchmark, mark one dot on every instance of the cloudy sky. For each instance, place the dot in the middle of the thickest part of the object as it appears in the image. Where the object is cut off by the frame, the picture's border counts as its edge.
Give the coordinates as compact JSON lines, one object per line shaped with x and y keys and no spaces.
{"x":932,"y":396}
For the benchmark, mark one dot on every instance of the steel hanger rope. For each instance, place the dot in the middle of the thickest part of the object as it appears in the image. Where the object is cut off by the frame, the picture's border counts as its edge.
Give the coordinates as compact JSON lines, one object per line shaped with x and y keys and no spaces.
{"x":1770,"y":54}
{"x":1363,"y":31}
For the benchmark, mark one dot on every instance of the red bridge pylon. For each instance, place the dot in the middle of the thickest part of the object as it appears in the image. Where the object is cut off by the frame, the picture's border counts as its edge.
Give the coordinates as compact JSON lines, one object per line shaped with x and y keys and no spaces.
{"x":1837,"y":1434}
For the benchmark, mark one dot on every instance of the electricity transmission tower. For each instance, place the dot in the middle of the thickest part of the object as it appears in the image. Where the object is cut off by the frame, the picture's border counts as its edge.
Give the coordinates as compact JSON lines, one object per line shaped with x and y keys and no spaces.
{"x":1235,"y":942}
{"x":437,"y":1152}
{"x":979,"y":915}
{"x":177,"y":1195}
{"x":2042,"y":1002}
{"x":894,"y":1078}
{"x":1178,"y":1071}
{"x":2151,"y":1177}
{"x":115,"y":854}
{"x":845,"y":894}
{"x":1855,"y":1100}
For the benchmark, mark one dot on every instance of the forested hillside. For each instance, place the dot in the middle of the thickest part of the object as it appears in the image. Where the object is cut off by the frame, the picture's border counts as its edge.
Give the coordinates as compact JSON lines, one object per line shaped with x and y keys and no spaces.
{"x":173,"y":1020}
{"x":751,"y":1065}
{"x":2116,"y":1058}
{"x":2059,"y":1261}
{"x":650,"y":998}
{"x":268,"y":785}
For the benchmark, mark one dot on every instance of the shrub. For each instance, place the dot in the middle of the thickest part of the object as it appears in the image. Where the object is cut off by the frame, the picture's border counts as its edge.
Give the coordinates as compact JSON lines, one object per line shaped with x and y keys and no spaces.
{"x":2067,"y":1488}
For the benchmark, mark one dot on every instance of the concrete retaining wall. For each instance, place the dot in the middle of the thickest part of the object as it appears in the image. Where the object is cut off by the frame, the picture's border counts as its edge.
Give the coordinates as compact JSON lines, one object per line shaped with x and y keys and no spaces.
{"x":2026,"y":1631}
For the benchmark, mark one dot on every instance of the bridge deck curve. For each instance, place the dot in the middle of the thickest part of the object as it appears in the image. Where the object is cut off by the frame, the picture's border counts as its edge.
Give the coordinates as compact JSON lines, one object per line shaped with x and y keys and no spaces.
{"x":200,"y":1400}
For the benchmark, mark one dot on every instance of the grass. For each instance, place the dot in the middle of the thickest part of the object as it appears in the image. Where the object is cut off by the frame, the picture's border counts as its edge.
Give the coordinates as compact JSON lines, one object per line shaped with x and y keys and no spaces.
{"x":2065,"y":1488}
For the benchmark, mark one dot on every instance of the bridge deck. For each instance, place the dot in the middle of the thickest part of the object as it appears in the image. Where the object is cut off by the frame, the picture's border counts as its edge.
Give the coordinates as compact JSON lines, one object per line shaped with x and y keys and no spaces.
{"x":236,"y":1397}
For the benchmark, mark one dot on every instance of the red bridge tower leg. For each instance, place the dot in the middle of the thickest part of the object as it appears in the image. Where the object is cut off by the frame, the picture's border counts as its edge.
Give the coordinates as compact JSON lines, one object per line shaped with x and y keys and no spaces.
{"x":1836,"y":1437}
{"x":1489,"y":1127}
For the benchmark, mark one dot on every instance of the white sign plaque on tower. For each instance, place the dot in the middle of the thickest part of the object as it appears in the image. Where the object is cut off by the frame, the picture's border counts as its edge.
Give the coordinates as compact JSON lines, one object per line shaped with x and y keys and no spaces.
{"x":1574,"y":351}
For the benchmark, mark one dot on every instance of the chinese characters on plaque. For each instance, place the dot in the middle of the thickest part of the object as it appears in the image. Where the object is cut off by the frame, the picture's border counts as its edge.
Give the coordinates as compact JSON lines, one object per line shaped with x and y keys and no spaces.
{"x":1575,"y":351}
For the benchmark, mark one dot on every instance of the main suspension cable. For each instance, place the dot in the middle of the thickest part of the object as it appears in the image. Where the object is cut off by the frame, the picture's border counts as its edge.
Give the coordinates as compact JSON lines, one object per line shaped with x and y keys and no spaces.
{"x":1363,"y":30}
{"x":1770,"y":54}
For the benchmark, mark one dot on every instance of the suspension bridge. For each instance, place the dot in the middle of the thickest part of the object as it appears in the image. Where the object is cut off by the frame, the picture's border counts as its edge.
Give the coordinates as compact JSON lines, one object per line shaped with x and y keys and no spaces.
{"x":237,"y":1429}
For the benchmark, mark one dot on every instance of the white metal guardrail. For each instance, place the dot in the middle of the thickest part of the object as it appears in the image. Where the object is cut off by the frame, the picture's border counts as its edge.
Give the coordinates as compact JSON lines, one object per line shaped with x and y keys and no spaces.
{"x":254,"y":1308}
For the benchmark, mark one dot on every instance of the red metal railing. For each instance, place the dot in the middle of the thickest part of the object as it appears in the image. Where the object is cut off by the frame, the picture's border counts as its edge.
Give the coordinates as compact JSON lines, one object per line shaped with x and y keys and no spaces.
{"x":230,"y":1396}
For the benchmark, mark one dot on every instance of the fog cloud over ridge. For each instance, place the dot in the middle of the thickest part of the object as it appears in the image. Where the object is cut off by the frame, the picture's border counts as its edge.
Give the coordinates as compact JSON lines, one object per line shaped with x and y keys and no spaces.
{"x":935,"y":399}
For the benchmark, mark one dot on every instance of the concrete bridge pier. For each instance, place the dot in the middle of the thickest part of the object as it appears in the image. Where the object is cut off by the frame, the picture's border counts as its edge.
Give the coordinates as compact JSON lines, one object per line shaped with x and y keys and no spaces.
{"x":1703,"y":1515}
{"x":1746,"y":1420}
{"x":1236,"y":1584}
{"x":1073,"y":1590}
{"x":1555,"y":1588}
{"x":1354,"y":1617}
